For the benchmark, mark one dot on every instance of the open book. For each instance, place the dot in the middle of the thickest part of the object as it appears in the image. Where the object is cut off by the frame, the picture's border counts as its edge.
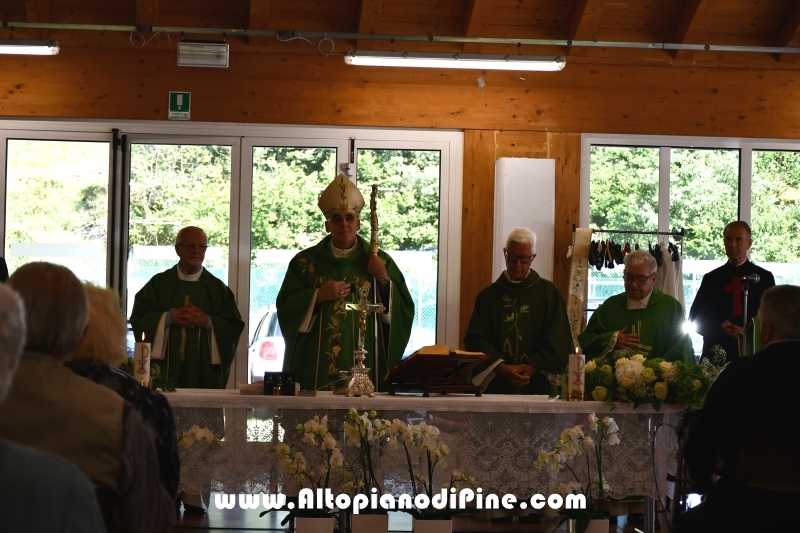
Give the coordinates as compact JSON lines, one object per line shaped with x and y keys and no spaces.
{"x":436,"y":368}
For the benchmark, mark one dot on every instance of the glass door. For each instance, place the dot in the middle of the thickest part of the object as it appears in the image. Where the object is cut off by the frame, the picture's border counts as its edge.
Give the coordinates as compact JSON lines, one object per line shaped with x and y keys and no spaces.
{"x":56,"y":199}
{"x":288,"y":176}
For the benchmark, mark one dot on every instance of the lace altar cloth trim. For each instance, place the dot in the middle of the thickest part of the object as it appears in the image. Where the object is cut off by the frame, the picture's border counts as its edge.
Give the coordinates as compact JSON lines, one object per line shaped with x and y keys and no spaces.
{"x":493,"y":439}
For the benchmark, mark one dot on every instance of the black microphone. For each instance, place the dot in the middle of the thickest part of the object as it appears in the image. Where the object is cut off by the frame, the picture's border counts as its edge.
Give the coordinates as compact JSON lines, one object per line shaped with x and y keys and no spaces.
{"x":752,"y":278}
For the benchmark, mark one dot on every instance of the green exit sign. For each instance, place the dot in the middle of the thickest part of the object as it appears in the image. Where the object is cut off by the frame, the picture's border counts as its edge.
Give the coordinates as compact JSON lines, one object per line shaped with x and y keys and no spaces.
{"x":180,"y":105}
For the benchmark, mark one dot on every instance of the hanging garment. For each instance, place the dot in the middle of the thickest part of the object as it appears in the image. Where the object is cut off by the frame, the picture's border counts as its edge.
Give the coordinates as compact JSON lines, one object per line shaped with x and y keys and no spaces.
{"x":670,"y":274}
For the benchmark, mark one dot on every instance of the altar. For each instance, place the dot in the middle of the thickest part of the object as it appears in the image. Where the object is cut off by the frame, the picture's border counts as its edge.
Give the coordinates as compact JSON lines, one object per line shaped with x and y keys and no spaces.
{"x":494,"y":439}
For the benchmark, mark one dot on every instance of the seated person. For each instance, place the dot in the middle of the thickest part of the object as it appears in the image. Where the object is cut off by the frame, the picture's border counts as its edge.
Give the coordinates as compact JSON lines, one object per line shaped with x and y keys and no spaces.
{"x":751,"y":398}
{"x":520,"y":321}
{"x":39,"y":478}
{"x":642,"y":319}
{"x":52,"y":409}
{"x":98,"y":356}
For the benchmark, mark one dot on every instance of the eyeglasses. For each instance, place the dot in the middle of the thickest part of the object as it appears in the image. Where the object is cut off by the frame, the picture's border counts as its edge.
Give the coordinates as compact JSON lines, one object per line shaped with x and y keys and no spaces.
{"x":201,"y":247}
{"x":337,"y":219}
{"x":641,"y":280}
{"x":512,"y":258}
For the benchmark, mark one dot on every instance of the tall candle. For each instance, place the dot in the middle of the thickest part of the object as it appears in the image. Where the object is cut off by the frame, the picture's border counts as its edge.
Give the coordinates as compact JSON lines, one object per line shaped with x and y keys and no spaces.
{"x":577,"y":377}
{"x":141,"y":362}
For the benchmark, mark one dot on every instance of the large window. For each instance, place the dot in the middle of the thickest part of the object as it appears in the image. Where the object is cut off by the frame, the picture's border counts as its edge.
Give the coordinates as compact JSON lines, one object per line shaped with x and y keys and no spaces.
{"x":408,"y":208}
{"x":106,"y":199}
{"x":173,"y":186}
{"x":287,"y":182}
{"x":666,"y":184}
{"x":57,"y":205}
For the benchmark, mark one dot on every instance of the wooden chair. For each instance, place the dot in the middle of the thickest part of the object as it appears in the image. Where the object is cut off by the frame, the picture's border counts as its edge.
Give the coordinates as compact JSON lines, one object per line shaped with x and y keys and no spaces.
{"x":767,"y":483}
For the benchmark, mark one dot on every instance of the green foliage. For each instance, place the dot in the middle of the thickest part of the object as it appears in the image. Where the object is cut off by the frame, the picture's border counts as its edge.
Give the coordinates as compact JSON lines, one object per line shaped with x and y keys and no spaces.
{"x":624,"y":188}
{"x":57,"y":191}
{"x":173,"y":186}
{"x":287,"y":183}
{"x":704,"y":197}
{"x":704,"y":187}
{"x":776,"y":206}
{"x":408,"y":196}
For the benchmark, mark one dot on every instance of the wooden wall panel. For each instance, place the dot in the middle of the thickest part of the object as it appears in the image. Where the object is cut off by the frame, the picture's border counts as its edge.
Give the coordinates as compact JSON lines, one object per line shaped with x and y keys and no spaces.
{"x":312,"y":89}
{"x":565,"y":148}
{"x":477,"y":231}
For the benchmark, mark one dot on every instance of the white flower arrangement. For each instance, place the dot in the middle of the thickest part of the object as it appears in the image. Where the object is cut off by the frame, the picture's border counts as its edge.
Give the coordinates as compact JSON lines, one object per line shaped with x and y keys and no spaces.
{"x":197,"y":434}
{"x":574,"y":442}
{"x":297,"y":465}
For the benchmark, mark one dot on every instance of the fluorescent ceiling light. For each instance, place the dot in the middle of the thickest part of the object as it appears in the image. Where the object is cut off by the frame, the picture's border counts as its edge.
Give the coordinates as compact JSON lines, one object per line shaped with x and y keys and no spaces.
{"x":202,"y":54}
{"x":454,"y":60}
{"x":28,"y":47}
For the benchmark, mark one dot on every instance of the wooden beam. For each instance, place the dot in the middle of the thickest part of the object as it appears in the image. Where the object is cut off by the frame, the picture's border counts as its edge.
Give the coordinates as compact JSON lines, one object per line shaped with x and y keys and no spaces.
{"x":477,"y":222}
{"x":565,"y":148}
{"x":790,"y":35}
{"x":38,"y":11}
{"x":369,"y":15}
{"x":693,"y":25}
{"x":147,"y":12}
{"x":583,"y":24}
{"x":258,"y":20}
{"x":475,"y":23}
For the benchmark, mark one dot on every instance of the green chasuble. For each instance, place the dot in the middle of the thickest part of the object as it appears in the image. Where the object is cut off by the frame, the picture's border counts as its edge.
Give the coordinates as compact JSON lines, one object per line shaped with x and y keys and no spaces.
{"x":316,"y":357}
{"x":521,"y":323}
{"x":660,"y":328}
{"x":190,"y":366}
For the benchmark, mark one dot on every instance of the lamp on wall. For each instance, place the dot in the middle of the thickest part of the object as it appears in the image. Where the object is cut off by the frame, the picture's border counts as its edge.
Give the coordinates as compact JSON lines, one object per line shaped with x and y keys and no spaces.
{"x":454,"y":60}
{"x":29,"y":47}
{"x":200,"y":54}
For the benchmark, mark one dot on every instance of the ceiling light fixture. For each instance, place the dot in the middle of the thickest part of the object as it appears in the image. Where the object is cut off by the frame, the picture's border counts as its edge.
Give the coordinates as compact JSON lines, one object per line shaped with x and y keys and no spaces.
{"x":29,"y":47}
{"x":454,"y":60}
{"x":195,"y":54}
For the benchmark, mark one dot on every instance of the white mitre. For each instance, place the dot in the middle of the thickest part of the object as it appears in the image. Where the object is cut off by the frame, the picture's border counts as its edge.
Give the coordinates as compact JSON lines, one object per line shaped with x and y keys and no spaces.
{"x":341,"y":196}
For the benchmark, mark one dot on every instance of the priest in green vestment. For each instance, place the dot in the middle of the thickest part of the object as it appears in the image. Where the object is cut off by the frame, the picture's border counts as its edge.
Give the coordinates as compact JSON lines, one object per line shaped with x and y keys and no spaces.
{"x":190,"y":317}
{"x":642,"y":319}
{"x":521,"y":322}
{"x":320,"y":333}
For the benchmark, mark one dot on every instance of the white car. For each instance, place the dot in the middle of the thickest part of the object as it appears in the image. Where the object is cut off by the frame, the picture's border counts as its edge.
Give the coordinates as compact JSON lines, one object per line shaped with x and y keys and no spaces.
{"x":265,"y":352}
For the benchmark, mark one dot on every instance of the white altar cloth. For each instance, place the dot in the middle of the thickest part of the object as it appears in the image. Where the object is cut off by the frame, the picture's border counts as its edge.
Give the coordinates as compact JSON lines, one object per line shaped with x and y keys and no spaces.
{"x":493,"y":438}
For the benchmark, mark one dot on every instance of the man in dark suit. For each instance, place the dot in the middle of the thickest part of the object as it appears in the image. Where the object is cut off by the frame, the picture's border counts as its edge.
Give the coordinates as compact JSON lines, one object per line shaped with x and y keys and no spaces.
{"x":752,"y":398}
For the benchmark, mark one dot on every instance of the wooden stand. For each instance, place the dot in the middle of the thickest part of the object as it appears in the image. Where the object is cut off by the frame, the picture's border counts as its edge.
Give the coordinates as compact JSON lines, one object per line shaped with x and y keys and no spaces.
{"x":435,"y":370}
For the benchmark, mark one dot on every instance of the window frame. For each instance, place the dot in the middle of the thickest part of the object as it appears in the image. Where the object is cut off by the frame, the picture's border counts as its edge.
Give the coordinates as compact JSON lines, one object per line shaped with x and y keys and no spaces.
{"x":449,"y":142}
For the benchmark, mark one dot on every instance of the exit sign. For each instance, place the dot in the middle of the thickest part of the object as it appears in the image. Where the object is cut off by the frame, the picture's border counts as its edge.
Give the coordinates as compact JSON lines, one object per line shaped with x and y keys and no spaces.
{"x":179,"y":105}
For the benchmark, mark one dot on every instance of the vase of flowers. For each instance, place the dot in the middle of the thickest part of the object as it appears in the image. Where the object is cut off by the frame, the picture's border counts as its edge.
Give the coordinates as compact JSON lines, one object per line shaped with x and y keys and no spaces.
{"x":430,"y":511}
{"x":296,"y":464}
{"x":306,"y":524}
{"x":364,"y":432}
{"x":573,"y":444}
{"x":628,"y":377}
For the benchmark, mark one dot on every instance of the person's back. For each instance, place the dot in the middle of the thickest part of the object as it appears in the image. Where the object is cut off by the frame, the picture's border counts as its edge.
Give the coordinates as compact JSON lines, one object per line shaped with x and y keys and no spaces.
{"x":750,"y":399}
{"x":48,"y":494}
{"x":32,"y":477}
{"x":52,"y":409}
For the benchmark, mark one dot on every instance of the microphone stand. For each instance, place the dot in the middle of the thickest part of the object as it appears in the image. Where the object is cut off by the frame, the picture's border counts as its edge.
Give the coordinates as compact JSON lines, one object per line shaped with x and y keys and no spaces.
{"x":744,"y":317}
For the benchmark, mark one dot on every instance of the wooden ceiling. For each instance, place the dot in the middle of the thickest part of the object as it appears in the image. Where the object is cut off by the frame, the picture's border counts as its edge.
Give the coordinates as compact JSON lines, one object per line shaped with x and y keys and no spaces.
{"x":751,"y":23}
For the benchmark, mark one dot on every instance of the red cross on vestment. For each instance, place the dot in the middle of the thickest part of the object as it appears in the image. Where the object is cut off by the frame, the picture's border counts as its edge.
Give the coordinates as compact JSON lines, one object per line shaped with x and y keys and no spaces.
{"x":737,"y":289}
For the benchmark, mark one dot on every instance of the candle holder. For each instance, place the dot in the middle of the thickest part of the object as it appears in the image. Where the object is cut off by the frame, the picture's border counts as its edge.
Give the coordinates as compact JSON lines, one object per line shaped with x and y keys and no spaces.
{"x":360,"y":384}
